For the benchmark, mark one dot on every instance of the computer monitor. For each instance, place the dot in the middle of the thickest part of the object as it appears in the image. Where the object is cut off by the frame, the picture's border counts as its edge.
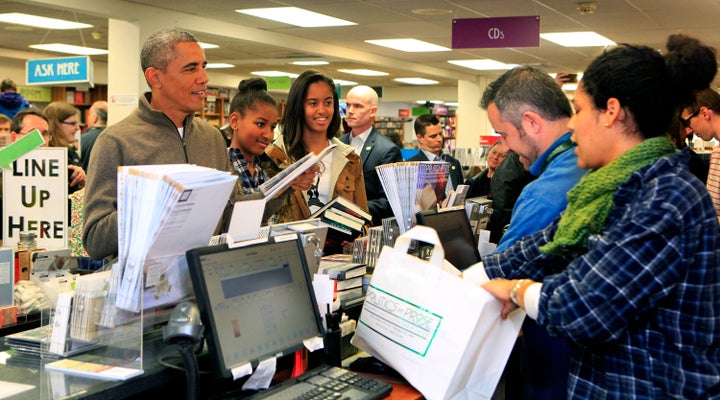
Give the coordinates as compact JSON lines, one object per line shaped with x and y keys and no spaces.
{"x":255,"y":301}
{"x":455,"y":234}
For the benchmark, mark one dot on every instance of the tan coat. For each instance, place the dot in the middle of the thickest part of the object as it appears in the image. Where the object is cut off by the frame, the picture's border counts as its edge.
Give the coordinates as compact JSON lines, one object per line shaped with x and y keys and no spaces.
{"x":346,"y":173}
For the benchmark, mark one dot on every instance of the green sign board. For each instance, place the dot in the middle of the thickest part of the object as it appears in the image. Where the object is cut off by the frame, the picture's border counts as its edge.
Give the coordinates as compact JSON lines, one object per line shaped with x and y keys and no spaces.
{"x":36,"y":94}
{"x":278,"y":82}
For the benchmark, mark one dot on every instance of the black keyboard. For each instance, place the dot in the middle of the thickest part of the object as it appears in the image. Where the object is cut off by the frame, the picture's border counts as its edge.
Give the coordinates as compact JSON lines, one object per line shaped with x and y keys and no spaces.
{"x":325,"y":383}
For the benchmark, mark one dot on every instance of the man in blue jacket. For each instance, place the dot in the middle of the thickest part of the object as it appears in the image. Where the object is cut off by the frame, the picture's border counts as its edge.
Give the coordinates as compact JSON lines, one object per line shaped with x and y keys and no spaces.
{"x":10,"y":100}
{"x":531,"y":112}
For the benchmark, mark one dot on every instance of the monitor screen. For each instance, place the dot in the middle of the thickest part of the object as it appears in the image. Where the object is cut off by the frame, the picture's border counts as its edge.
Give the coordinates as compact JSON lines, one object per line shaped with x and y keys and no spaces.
{"x":255,"y":301}
{"x":455,"y":234}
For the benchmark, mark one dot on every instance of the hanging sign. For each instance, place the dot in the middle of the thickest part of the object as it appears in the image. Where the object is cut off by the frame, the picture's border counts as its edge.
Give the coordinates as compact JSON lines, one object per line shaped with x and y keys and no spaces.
{"x":479,"y":33}
{"x":59,"y":71}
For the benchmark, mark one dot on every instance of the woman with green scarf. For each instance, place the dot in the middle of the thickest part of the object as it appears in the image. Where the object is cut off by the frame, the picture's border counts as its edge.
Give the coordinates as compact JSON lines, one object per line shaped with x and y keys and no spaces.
{"x":630,"y":273}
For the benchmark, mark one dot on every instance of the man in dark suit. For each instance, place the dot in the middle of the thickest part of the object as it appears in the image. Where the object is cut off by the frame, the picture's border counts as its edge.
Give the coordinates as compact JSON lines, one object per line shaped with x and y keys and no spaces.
{"x":429,"y":135}
{"x":374,"y":148}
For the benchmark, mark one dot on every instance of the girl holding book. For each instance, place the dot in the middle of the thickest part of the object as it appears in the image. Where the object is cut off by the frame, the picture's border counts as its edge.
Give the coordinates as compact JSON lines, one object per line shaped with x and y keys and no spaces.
{"x":311,"y":123}
{"x":253,"y":118}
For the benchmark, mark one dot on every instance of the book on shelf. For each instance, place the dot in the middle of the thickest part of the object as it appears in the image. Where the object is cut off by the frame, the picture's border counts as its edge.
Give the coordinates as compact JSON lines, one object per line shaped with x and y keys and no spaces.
{"x":343,"y":215}
{"x":349,"y":294}
{"x":348,"y":283}
{"x":341,"y":270}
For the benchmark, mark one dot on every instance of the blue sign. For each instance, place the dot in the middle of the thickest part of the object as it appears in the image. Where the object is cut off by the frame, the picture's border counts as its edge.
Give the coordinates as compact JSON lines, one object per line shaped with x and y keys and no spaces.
{"x":59,"y":71}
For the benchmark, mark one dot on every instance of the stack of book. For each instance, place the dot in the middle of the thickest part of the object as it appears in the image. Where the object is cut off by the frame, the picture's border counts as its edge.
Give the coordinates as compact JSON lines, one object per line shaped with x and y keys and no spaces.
{"x":344,"y":215}
{"x":347,"y":275}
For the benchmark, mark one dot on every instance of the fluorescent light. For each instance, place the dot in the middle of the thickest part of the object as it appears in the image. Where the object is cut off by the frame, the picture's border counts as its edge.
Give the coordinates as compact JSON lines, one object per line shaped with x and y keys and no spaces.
{"x":208,"y":45}
{"x":416,"y":81}
{"x":452,"y":104}
{"x":570,"y":87}
{"x":363,"y":72}
{"x":218,"y":65}
{"x":343,"y":82}
{"x":69,"y":49}
{"x":296,"y":16}
{"x":407,"y":45}
{"x":310,"y":63}
{"x":274,"y":74}
{"x":437,"y":101}
{"x":578,"y":39}
{"x":40,"y":22}
{"x":483,"y":64}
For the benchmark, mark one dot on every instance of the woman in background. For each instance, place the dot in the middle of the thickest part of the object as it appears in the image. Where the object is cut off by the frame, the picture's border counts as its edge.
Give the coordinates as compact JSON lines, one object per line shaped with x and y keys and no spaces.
{"x":311,"y":123}
{"x":630,"y":273}
{"x":480,"y":183}
{"x":64,"y":123}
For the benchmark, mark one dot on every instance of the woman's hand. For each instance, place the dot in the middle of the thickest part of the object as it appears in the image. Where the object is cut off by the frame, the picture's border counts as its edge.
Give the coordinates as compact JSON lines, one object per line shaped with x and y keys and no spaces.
{"x":306,"y":179}
{"x":501,"y":288}
{"x":77,"y":176}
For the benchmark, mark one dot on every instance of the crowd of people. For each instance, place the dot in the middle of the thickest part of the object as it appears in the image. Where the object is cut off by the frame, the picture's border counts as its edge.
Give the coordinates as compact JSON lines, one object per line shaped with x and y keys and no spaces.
{"x":609,"y":237}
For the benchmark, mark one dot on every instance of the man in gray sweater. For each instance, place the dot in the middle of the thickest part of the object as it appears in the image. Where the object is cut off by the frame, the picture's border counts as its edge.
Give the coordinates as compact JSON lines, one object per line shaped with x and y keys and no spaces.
{"x":162,"y":130}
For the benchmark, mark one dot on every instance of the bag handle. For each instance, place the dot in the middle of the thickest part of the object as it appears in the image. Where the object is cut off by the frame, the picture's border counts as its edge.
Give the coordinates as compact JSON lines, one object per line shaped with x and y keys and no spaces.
{"x":425,"y":234}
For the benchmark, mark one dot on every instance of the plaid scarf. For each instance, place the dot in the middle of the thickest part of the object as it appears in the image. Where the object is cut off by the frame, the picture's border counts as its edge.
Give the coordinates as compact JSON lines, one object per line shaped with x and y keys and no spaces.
{"x":249,"y":182}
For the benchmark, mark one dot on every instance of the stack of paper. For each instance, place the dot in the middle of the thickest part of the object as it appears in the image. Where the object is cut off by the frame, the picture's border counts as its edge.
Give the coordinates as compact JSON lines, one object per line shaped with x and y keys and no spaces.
{"x":163,"y":211}
{"x":413,"y":186}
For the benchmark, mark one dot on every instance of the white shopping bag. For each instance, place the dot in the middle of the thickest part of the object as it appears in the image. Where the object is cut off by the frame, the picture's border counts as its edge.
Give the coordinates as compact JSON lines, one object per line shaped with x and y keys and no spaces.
{"x":442,"y":333}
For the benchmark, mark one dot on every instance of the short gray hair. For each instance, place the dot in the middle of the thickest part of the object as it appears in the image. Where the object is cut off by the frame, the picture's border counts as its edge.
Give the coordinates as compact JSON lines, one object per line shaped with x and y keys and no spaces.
{"x":159,"y":48}
{"x":527,"y":89}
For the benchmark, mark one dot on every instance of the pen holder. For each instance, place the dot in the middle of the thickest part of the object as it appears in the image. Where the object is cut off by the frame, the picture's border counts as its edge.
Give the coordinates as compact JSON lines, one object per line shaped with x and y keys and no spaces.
{"x":332,"y":352}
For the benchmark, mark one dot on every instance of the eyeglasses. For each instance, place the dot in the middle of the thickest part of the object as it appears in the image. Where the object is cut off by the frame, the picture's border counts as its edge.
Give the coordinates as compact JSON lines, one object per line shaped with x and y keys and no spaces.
{"x":72,"y":123}
{"x":686,"y":121}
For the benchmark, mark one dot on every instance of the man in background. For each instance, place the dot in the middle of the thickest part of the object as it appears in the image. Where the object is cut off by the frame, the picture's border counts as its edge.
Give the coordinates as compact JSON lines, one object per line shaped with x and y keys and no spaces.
{"x":703,"y":119}
{"x":4,"y":130}
{"x":531,"y":112}
{"x":10,"y":100}
{"x":374,"y":148}
{"x":430,"y":140}
{"x":96,"y":120}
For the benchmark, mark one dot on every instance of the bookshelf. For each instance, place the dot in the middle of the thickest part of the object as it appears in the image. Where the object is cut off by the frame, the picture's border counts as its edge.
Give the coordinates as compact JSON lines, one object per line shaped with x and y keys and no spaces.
{"x":81,"y":99}
{"x":449,"y":125}
{"x":216,"y":106}
{"x":387,"y":125}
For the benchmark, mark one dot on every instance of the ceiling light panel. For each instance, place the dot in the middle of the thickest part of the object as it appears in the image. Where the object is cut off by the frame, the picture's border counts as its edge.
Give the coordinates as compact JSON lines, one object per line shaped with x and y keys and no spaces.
{"x":218,"y":65}
{"x":363,"y":72}
{"x":416,"y":81}
{"x":578,"y":39}
{"x":274,"y":74}
{"x":69,"y":49}
{"x":408,"y":45}
{"x":296,"y":16}
{"x":483,"y":64}
{"x":40,"y":22}
{"x":310,"y":63}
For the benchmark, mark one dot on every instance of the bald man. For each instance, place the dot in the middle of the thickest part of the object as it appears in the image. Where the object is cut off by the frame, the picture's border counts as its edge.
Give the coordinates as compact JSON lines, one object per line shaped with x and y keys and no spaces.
{"x":374,"y":148}
{"x":97,"y":121}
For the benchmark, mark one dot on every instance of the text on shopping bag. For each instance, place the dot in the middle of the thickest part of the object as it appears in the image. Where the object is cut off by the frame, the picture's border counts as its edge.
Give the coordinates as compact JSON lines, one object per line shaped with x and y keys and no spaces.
{"x":400,"y":321}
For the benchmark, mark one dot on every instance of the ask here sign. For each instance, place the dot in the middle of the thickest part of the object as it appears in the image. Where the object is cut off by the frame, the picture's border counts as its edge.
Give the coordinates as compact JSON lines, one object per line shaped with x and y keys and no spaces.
{"x":35,"y":198}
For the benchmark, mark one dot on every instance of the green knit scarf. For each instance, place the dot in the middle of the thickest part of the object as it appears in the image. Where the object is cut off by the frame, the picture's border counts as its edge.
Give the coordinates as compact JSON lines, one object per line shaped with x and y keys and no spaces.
{"x":589,"y":202}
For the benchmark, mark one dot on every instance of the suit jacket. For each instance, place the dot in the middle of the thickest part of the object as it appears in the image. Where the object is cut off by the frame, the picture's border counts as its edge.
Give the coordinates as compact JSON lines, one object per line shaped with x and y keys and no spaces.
{"x":377,"y":150}
{"x":456,"y":172}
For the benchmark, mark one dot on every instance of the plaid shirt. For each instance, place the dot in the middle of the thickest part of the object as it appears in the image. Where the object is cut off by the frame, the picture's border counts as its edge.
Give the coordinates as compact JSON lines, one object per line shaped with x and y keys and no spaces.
{"x":640,"y":309}
{"x":250,"y":183}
